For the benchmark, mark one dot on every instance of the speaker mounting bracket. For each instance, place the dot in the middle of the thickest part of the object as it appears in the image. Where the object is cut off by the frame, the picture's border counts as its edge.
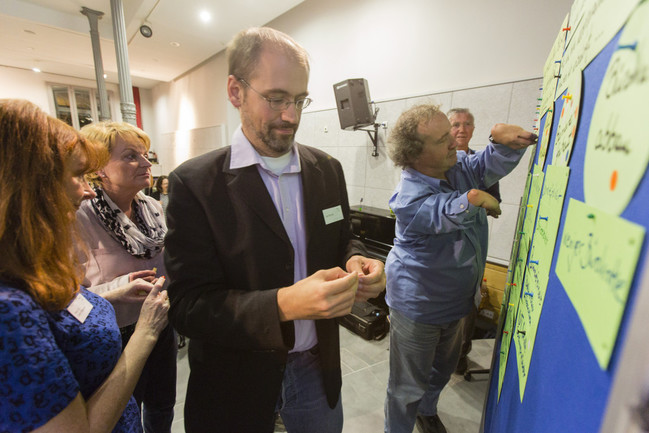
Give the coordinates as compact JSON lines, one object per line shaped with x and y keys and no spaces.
{"x":374,"y":136}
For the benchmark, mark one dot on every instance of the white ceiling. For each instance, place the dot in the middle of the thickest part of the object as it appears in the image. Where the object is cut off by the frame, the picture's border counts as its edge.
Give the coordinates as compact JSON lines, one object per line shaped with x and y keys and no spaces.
{"x":53,"y":35}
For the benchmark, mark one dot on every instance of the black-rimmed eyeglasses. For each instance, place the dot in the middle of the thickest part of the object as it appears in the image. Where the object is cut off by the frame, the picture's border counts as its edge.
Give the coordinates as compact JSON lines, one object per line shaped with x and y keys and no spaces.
{"x":280,"y":104}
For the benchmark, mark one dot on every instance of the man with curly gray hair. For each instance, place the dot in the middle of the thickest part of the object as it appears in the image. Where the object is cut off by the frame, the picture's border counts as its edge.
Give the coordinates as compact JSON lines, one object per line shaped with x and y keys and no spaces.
{"x":439,"y":254}
{"x":462,"y":127}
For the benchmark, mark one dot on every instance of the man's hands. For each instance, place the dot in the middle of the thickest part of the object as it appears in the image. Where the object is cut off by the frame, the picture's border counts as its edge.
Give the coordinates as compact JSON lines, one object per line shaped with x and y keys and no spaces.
{"x":331,"y":292}
{"x":371,"y":276}
{"x":512,"y":136}
{"x":327,"y":293}
{"x":483,"y":199}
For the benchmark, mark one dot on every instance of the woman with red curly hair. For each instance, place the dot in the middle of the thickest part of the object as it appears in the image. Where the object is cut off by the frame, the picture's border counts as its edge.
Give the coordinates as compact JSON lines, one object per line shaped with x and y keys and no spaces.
{"x":60,"y":351}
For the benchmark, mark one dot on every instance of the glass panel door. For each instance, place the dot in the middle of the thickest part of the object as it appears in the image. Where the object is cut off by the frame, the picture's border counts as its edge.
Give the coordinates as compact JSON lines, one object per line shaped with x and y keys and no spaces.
{"x":84,"y":109}
{"x":62,"y":104}
{"x":77,"y":106}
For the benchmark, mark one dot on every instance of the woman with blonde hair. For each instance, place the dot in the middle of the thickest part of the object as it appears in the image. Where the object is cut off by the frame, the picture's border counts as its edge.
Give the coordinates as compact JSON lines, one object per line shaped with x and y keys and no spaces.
{"x":63,"y":368}
{"x":124,"y":230}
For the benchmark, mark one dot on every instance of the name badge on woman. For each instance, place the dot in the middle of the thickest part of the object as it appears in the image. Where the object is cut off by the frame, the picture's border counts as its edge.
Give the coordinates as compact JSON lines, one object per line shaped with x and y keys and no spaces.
{"x":80,"y":307}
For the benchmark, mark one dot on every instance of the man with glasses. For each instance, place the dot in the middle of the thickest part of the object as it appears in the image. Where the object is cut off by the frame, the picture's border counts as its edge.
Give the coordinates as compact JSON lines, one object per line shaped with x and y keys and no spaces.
{"x":462,"y":127}
{"x":261,"y":257}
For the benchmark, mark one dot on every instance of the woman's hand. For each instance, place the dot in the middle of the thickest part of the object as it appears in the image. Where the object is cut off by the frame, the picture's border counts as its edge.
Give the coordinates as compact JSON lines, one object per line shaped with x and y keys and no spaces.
{"x":153,"y":316}
{"x":134,"y":292}
{"x":146,"y":274}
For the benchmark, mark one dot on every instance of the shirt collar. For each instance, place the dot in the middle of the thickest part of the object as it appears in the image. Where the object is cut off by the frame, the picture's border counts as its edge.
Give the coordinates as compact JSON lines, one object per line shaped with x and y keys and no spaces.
{"x":244,"y":155}
{"x":432,"y":181}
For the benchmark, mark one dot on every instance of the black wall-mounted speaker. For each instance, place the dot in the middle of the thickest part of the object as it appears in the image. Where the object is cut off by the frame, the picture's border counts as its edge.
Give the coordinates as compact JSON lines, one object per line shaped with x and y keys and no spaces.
{"x":353,"y":103}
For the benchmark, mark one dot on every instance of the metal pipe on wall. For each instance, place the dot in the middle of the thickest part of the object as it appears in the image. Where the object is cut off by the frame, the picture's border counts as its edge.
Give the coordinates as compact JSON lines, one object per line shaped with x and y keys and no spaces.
{"x":127,"y":105}
{"x":93,"y":18}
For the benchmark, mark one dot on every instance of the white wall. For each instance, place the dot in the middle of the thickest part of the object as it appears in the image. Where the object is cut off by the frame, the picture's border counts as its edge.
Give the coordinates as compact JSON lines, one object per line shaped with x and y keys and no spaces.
{"x":22,"y":84}
{"x":146,"y":110}
{"x":188,"y":107}
{"x":414,"y":47}
{"x":26,"y":84}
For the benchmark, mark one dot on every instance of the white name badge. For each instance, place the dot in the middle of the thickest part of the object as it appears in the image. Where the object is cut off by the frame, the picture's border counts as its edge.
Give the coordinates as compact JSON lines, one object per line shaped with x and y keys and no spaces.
{"x":80,"y":307}
{"x":333,"y":214}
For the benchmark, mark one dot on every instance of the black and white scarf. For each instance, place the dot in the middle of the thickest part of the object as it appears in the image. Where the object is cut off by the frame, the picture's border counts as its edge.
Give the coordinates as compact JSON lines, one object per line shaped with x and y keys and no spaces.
{"x":143,"y":237}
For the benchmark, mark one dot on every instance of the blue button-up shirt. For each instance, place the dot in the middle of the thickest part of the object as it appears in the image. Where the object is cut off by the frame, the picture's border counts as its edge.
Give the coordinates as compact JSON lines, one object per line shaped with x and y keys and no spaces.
{"x":440,"y":246}
{"x":284,"y":184}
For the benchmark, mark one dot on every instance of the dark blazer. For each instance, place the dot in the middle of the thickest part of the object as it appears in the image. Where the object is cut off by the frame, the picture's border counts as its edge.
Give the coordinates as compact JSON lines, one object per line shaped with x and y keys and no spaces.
{"x":227,"y":254}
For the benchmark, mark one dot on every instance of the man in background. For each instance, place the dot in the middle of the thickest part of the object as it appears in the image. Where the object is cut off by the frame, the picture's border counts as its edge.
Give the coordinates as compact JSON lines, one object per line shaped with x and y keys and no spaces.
{"x":438,"y":258}
{"x":462,"y":127}
{"x":258,"y":234}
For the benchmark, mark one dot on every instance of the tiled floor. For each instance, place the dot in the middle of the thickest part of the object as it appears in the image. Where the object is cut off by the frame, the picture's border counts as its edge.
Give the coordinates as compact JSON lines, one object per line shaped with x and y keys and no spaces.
{"x":365,"y":375}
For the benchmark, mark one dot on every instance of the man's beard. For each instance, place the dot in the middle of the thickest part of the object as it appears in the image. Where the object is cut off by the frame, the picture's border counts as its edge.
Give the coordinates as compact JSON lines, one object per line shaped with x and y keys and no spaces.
{"x":278,"y":144}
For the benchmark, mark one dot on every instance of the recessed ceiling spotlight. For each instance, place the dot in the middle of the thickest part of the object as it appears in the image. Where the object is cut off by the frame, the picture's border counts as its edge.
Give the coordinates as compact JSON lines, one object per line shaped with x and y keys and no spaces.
{"x":205,"y":16}
{"x":105,"y":76}
{"x":174,"y":44}
{"x":146,"y":31}
{"x":36,"y":69}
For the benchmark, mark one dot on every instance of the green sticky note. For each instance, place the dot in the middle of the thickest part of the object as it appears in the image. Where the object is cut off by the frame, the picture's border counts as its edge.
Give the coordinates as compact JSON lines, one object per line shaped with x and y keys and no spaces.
{"x":525,"y":235}
{"x":504,"y":345}
{"x":517,"y":254}
{"x":538,"y":268}
{"x":545,"y":138}
{"x":523,"y":345}
{"x":617,"y":153}
{"x":597,"y":259}
{"x":568,"y":121}
{"x":548,"y":217}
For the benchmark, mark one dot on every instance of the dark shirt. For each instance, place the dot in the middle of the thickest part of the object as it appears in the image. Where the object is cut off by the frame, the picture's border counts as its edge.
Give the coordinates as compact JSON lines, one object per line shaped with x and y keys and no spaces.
{"x":494,"y":189}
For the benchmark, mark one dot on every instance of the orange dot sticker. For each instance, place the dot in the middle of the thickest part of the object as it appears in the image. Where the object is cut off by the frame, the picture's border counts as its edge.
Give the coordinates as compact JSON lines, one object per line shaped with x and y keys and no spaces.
{"x":613,"y":180}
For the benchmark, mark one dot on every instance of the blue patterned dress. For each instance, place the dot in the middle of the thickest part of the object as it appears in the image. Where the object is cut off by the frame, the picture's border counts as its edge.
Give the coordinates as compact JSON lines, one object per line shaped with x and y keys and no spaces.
{"x":47,"y":358}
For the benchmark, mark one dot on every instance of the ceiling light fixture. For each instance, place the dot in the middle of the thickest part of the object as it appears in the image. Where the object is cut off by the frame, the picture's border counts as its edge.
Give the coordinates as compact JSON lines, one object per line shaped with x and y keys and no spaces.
{"x":35,"y":69}
{"x":205,"y":16}
{"x":146,"y":31}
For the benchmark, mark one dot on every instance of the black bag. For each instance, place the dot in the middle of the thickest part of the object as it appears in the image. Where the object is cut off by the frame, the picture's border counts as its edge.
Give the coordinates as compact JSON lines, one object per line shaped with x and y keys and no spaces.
{"x":367,"y":320}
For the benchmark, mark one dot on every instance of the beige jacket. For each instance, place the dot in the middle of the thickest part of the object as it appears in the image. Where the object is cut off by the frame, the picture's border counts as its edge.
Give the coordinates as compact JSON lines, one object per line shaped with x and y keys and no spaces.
{"x":108,"y":264}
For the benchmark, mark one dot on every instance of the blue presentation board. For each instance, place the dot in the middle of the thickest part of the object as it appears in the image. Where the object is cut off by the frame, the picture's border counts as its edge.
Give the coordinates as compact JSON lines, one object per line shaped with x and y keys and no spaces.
{"x":567,"y":389}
